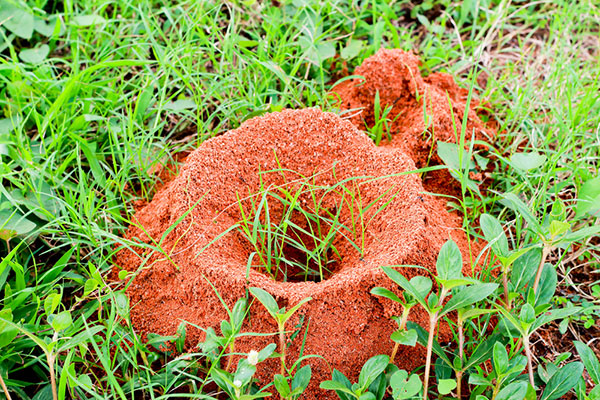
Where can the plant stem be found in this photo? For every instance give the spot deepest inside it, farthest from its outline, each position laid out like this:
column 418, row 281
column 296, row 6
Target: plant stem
column 432, row 323
column 545, row 251
column 282, row 346
column 529, row 359
column 230, row 358
column 50, row 358
column 4, row 388
column 461, row 353
column 401, row 326
column 505, row 285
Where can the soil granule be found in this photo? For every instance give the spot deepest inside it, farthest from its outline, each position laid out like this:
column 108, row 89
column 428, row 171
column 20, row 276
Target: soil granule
column 346, row 324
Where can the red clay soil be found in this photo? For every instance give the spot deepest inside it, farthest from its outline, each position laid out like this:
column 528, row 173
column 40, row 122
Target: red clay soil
column 396, row 76
column 347, row 324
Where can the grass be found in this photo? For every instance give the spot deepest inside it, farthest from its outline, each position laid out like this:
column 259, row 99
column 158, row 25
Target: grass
column 122, row 87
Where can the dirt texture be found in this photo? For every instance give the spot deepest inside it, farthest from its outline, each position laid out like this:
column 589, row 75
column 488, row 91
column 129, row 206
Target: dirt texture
column 347, row 324
column 424, row 110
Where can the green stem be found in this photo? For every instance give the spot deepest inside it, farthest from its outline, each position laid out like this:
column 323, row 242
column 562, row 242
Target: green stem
column 401, row 326
column 505, row 285
column 461, row 353
column 282, row 347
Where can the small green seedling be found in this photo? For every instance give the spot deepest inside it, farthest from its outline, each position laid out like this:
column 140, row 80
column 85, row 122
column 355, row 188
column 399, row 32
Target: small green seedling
column 280, row 315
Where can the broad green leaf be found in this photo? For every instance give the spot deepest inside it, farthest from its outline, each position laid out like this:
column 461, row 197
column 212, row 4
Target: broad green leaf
column 527, row 314
column 282, row 385
column 266, row 300
column 16, row 20
column 524, row 269
column 13, row 223
column 405, row 337
column 449, row 153
column 482, row 353
column 562, row 381
column 590, row 360
column 558, row 228
column 371, row 370
column 468, row 296
column 449, row 261
column 180, row 105
column 352, row 49
column 266, row 352
column 422, row 285
column 500, row 358
column 61, row 321
column 383, row 292
column 244, row 372
column 83, row 21
column 513, row 391
column 514, row 255
column 588, row 201
column 494, row 234
column 301, row 380
column 547, row 286
column 121, row 302
column 527, row 161
column 35, row 55
column 446, row 386
column 337, row 386
column 401, row 281
column 7, row 331
column 337, row 376
column 367, row 396
column 403, row 388
column 454, row 283
column 51, row 302
column 554, row 315
column 295, row 308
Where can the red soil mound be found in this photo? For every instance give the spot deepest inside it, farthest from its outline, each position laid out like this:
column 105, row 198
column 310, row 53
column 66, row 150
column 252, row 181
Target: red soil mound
column 347, row 324
column 424, row 109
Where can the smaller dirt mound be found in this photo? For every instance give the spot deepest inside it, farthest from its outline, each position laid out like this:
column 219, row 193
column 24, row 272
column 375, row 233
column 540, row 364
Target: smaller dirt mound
column 423, row 109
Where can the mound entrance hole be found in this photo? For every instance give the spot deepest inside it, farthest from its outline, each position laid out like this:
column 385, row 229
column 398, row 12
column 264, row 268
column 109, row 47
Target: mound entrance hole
column 300, row 228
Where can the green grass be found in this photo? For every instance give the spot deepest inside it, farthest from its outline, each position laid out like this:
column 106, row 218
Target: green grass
column 127, row 85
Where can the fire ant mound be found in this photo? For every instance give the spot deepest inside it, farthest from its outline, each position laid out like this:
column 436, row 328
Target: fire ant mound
column 347, row 208
column 422, row 110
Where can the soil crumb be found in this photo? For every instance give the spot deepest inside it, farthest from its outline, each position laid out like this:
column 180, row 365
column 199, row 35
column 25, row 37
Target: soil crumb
column 423, row 110
column 186, row 259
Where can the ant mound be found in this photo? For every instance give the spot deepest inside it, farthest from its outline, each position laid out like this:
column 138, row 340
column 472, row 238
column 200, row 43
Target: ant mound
column 421, row 110
column 300, row 204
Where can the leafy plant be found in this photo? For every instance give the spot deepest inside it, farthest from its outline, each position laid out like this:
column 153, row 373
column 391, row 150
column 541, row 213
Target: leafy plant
column 280, row 315
column 376, row 376
column 460, row 292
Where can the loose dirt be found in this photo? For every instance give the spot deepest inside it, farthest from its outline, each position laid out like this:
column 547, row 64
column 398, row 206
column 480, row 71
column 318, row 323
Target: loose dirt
column 424, row 110
column 344, row 323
